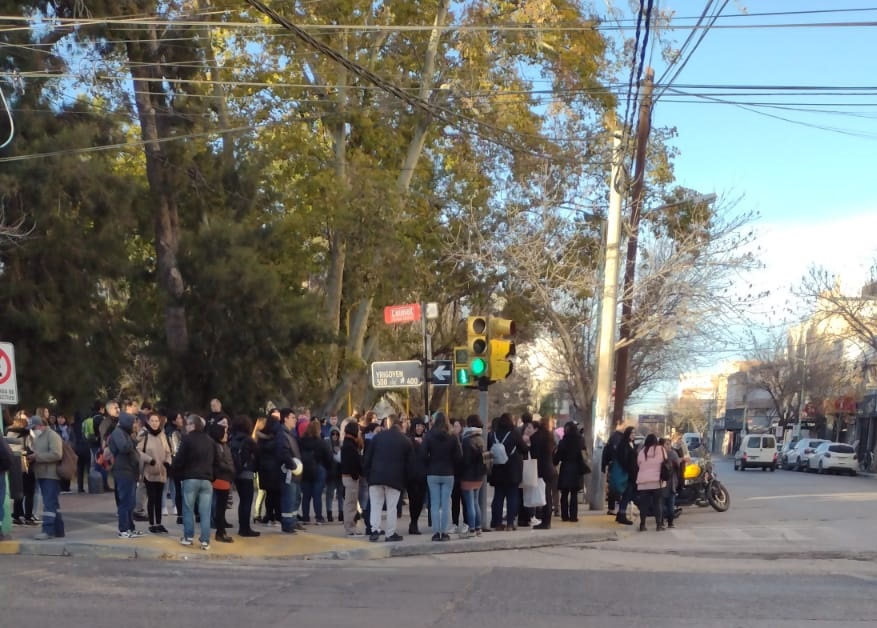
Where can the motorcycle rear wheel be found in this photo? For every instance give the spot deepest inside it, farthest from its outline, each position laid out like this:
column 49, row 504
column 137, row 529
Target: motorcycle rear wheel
column 718, row 496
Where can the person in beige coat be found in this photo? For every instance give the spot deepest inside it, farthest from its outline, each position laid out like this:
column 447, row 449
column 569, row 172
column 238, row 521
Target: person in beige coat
column 47, row 450
column 155, row 456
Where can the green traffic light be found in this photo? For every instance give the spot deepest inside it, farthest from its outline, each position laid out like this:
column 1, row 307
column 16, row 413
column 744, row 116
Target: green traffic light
column 478, row 366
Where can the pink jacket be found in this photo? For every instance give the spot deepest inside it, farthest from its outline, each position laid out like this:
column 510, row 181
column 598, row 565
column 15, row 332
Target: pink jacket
column 649, row 475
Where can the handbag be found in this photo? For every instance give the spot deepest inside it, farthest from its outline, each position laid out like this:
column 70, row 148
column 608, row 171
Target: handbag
column 666, row 469
column 534, row 496
column 618, row 478
column 530, row 475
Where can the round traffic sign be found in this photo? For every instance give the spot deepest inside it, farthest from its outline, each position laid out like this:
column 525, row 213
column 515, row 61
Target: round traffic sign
column 5, row 367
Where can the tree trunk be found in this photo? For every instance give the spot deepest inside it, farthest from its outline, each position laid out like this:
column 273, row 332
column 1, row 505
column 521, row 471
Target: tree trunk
column 148, row 99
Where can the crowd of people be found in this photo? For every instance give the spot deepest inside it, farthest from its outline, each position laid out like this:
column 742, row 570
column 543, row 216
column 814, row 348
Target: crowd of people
column 648, row 476
column 290, row 469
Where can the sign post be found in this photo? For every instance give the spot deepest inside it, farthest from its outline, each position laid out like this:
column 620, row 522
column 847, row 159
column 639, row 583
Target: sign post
column 8, row 382
column 402, row 374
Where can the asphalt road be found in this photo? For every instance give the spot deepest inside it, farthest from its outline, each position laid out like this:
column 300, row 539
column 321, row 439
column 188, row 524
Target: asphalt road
column 703, row 574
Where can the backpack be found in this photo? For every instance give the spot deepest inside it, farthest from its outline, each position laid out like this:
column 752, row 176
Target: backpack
column 89, row 433
column 67, row 465
column 498, row 450
column 106, row 458
column 241, row 463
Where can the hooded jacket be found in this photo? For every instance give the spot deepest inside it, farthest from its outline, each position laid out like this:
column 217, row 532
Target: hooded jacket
column 472, row 468
column 48, row 449
column 223, row 464
column 121, row 442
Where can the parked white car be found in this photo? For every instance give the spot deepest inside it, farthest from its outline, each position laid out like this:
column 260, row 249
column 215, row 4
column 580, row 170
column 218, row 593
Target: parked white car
column 799, row 456
column 834, row 457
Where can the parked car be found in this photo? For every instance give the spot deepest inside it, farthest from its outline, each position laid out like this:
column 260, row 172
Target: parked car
column 799, row 456
column 756, row 451
column 834, row 457
column 783, row 450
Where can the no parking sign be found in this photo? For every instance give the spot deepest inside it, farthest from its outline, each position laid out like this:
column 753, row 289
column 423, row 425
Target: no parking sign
column 8, row 384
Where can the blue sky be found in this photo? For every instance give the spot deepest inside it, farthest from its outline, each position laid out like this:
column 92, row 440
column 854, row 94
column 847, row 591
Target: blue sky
column 813, row 188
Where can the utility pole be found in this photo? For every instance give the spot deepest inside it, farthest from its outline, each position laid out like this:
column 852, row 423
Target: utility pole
column 622, row 356
column 606, row 342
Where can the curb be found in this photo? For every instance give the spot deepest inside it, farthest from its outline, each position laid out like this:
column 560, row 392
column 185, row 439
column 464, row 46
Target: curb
column 375, row 551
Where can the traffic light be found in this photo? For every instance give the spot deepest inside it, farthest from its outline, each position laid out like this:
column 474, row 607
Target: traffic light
column 500, row 348
column 476, row 345
column 462, row 377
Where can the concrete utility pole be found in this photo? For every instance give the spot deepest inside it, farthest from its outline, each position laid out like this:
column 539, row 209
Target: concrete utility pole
column 606, row 342
column 622, row 357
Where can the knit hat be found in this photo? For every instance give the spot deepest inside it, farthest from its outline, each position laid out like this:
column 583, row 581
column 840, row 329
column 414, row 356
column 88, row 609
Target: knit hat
column 34, row 422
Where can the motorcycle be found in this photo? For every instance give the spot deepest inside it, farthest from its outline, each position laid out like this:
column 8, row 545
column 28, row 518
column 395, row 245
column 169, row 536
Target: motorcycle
column 700, row 487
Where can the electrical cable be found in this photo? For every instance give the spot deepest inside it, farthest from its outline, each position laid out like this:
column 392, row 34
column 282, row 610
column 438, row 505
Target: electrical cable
column 11, row 120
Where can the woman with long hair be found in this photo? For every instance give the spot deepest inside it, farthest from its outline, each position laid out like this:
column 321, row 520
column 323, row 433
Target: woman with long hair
column 156, row 457
column 506, row 478
column 648, row 482
column 570, row 478
column 441, row 454
column 243, row 453
column 472, row 472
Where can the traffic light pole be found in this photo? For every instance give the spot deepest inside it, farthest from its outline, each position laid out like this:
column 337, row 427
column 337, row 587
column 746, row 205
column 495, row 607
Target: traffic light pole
column 483, row 412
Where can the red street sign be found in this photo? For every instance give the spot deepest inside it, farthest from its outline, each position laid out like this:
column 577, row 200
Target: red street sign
column 395, row 314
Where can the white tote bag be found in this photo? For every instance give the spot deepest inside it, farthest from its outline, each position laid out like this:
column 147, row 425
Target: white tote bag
column 531, row 473
column 534, row 496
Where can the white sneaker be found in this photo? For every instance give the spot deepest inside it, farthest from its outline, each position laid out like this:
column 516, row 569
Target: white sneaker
column 185, row 541
column 534, row 521
column 135, row 534
column 126, row 535
column 164, row 511
column 205, row 546
column 462, row 529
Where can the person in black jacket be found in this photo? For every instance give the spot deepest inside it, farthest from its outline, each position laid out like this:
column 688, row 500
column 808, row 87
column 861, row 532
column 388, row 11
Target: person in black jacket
column 612, row 496
column 387, row 463
column 270, row 475
column 506, row 478
column 441, row 454
column 317, row 459
column 291, row 467
column 472, row 471
column 416, row 487
column 334, row 488
column 194, row 464
column 351, row 474
column 223, row 477
column 245, row 457
column 542, row 449
column 572, row 471
column 625, row 458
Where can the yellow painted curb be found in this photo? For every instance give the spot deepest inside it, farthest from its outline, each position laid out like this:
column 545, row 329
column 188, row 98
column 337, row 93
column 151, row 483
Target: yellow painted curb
column 8, row 548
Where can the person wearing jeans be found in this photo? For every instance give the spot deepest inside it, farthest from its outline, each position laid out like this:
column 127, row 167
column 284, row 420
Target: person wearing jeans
column 472, row 471
column 194, row 464
column 47, row 451
column 506, row 478
column 441, row 453
column 317, row 459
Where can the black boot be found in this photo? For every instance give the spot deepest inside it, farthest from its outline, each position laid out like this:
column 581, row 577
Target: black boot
column 622, row 519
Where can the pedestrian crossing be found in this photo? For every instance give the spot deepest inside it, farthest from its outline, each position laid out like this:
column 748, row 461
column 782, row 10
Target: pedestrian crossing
column 744, row 534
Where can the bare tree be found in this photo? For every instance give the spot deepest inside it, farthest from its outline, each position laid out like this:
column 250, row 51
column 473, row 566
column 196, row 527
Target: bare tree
column 552, row 257
column 858, row 313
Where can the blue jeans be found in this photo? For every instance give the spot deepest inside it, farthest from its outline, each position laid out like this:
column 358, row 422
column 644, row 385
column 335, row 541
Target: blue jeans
column 626, row 497
column 200, row 492
column 440, row 487
column 53, row 524
column 290, row 493
column 669, row 504
column 509, row 494
column 312, row 492
column 472, row 502
column 126, row 497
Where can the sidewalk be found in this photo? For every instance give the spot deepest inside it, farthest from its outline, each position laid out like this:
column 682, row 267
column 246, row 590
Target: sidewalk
column 91, row 532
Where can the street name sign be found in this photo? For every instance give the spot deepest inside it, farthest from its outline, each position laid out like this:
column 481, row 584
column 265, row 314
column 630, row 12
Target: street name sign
column 442, row 372
column 403, row 374
column 397, row 314
column 8, row 383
